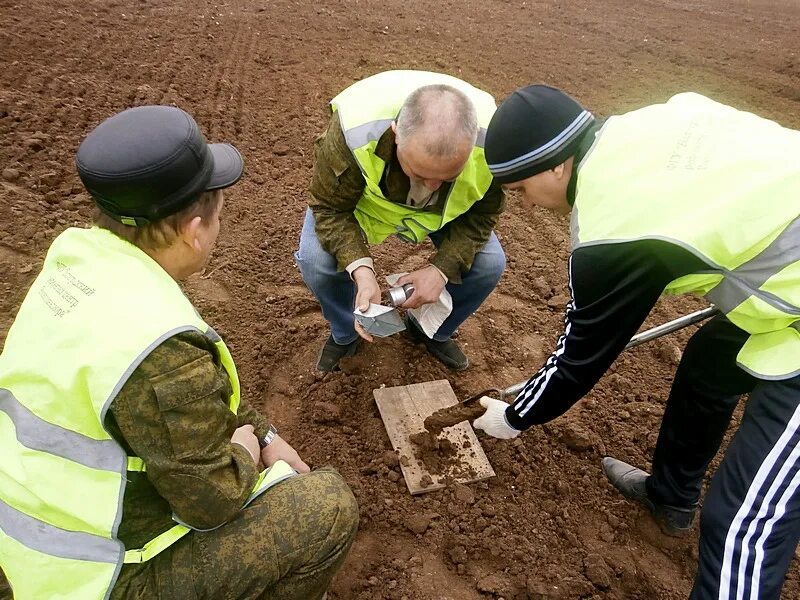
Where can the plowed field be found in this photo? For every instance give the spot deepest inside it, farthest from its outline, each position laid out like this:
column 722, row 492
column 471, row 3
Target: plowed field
column 258, row 73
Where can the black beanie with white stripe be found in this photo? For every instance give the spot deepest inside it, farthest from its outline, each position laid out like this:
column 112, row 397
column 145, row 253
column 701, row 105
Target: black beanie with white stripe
column 535, row 129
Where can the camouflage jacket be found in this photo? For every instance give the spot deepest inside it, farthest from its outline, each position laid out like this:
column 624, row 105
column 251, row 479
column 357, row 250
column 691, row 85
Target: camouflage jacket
column 336, row 188
column 173, row 413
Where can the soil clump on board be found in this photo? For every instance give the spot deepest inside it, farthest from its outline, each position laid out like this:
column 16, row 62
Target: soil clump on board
column 452, row 415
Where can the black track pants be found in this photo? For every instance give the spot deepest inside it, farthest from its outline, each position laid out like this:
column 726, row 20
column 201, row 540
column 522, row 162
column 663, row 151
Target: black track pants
column 750, row 523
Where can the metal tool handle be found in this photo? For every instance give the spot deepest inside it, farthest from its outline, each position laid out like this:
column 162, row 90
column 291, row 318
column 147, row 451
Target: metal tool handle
column 657, row 332
column 487, row 392
column 641, row 338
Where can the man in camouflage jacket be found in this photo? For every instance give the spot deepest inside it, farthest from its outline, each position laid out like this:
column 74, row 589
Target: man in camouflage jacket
column 202, row 454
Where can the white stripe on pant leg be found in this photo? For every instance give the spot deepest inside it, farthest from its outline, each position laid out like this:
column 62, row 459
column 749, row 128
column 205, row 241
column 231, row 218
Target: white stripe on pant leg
column 752, row 493
column 766, row 505
column 779, row 512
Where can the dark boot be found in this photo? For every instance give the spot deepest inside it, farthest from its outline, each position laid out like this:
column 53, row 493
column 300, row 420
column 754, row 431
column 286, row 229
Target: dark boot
column 332, row 353
column 447, row 351
column 630, row 481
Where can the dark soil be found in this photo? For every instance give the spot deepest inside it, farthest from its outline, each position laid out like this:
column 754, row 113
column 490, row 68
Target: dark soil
column 452, row 415
column 258, row 74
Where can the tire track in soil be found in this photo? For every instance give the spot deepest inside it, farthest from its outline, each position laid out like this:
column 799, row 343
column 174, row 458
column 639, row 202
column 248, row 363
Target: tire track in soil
column 232, row 40
column 244, row 76
column 180, row 49
column 230, row 86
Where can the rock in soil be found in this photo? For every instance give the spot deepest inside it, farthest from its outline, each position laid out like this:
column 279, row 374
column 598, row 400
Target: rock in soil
column 463, row 493
column 597, row 571
column 326, row 412
column 390, row 459
column 417, row 523
column 10, row 174
column 576, row 437
column 496, row 585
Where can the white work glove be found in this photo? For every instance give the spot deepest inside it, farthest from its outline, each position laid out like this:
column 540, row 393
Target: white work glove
column 493, row 421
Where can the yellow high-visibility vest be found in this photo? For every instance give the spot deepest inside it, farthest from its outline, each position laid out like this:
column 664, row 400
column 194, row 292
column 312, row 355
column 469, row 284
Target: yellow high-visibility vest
column 97, row 309
column 366, row 110
column 723, row 184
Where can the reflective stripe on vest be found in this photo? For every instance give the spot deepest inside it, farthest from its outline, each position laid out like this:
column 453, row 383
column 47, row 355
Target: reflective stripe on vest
column 749, row 278
column 83, row 328
column 366, row 110
column 722, row 184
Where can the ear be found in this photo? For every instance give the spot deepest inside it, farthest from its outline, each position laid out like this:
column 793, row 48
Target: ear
column 396, row 137
column 190, row 233
column 564, row 170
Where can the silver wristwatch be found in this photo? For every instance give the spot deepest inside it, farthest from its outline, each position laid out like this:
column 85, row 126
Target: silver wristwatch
column 267, row 440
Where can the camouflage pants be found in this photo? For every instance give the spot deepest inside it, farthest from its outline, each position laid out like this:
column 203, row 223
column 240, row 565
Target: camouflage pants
column 286, row 545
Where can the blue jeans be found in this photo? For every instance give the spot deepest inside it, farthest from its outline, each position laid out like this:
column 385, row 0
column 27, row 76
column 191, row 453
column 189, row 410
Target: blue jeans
column 336, row 292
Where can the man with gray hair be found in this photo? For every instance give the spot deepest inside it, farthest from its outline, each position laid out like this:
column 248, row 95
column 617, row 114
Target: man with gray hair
column 402, row 155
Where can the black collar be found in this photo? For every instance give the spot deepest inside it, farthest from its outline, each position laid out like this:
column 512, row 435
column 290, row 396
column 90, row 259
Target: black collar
column 587, row 139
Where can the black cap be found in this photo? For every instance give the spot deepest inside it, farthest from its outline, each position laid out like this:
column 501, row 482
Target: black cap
column 534, row 129
column 149, row 162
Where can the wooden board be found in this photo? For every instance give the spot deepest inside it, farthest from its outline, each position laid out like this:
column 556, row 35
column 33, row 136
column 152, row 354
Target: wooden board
column 403, row 410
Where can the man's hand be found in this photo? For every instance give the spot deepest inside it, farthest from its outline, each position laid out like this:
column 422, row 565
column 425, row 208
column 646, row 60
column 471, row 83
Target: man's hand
column 367, row 290
column 244, row 436
column 428, row 285
column 493, row 421
column 277, row 450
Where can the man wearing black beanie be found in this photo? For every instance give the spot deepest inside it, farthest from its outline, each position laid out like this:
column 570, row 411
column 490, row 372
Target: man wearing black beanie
column 690, row 196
